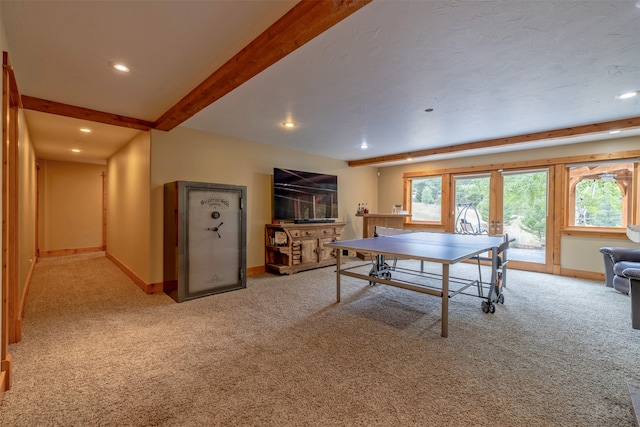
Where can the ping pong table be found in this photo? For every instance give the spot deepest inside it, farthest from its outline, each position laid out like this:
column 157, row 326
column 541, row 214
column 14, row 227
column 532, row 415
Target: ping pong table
column 442, row 248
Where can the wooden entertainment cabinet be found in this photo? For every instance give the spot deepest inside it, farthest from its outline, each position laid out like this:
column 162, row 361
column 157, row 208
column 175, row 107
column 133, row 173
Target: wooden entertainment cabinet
column 290, row 247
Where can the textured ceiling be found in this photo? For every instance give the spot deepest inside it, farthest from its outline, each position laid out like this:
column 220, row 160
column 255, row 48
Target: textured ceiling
column 488, row 69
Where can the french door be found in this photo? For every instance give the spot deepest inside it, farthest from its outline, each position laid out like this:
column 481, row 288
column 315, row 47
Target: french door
column 507, row 202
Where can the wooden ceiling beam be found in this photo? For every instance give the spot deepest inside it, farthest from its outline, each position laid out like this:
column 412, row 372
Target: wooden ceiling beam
column 52, row 107
column 305, row 21
column 12, row 84
column 631, row 123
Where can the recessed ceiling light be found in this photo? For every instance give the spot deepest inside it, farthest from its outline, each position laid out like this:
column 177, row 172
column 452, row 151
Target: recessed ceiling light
column 289, row 124
column 364, row 145
column 85, row 130
column 615, row 131
column 628, row 95
column 409, row 159
column 75, row 150
column 120, row 67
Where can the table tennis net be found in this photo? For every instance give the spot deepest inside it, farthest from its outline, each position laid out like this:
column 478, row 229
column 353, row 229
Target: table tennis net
column 388, row 231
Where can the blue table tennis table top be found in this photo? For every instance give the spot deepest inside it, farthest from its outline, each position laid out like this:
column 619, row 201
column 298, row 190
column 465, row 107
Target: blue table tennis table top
column 447, row 248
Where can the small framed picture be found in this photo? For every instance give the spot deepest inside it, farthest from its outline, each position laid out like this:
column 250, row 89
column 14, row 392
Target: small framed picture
column 280, row 238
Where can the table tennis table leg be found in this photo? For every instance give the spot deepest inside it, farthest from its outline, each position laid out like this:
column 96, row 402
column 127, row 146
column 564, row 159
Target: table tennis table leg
column 445, row 300
column 338, row 262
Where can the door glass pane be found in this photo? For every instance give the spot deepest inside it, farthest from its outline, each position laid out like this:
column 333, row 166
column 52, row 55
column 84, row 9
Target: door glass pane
column 525, row 214
column 472, row 204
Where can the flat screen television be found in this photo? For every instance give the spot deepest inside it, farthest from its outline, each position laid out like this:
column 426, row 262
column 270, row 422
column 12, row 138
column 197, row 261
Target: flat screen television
column 304, row 196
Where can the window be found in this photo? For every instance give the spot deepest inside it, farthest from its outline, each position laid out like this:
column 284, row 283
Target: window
column 600, row 194
column 426, row 199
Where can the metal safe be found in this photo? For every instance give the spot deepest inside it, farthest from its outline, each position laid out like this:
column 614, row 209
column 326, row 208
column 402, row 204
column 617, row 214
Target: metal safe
column 204, row 239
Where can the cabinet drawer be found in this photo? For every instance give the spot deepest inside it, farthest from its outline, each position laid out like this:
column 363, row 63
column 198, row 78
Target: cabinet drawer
column 326, row 232
column 308, row 233
column 294, row 233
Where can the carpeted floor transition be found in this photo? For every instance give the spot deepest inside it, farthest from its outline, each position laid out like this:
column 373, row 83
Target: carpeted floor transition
column 97, row 351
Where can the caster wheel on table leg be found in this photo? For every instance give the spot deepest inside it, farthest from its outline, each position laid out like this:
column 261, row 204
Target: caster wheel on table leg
column 485, row 306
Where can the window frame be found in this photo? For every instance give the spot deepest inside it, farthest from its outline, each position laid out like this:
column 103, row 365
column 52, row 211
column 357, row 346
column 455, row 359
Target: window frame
column 445, row 198
column 558, row 186
column 632, row 215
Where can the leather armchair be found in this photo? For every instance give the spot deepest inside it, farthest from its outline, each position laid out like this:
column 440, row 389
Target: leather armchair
column 616, row 261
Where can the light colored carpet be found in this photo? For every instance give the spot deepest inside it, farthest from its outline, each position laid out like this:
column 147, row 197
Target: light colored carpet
column 97, row 351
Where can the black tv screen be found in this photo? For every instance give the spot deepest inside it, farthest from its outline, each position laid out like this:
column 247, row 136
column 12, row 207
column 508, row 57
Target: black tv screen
column 301, row 195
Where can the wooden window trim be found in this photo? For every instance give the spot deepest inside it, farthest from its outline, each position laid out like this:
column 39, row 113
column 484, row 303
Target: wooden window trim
column 558, row 197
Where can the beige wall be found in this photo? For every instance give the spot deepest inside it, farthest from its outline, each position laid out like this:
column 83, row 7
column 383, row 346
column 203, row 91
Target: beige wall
column 27, row 193
column 191, row 155
column 577, row 253
column 137, row 173
column 128, row 206
column 70, row 205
